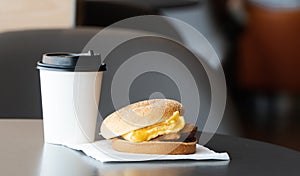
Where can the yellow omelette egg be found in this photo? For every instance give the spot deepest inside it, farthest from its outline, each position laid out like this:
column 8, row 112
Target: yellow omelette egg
column 171, row 125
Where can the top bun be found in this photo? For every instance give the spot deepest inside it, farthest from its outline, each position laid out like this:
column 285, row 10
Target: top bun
column 138, row 115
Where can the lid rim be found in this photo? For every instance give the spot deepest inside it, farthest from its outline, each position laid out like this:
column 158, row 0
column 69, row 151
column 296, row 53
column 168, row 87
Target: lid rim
column 43, row 66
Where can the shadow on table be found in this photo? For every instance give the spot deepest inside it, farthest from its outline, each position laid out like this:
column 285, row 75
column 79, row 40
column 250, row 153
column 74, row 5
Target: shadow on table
column 173, row 168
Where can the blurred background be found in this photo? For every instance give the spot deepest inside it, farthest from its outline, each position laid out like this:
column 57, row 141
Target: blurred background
column 258, row 42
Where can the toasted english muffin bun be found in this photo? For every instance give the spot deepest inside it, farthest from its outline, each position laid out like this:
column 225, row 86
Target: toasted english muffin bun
column 138, row 115
column 155, row 147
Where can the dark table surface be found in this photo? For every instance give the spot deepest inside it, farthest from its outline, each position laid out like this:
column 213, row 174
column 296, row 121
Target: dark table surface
column 23, row 152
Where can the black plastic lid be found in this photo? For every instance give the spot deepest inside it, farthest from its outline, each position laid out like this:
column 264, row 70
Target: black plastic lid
column 83, row 62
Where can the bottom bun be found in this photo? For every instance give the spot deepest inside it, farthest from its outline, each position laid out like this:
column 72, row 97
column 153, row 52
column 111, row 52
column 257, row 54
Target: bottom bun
column 155, row 147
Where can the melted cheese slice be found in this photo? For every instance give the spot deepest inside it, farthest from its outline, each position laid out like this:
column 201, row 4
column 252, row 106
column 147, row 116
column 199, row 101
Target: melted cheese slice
column 171, row 125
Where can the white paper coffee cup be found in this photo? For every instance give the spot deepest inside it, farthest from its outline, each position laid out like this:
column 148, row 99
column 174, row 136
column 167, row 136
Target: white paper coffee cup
column 70, row 90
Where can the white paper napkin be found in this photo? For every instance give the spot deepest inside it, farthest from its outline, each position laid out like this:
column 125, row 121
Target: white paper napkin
column 102, row 151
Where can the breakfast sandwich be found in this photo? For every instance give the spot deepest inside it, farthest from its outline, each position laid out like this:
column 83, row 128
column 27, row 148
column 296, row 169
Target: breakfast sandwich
column 154, row 126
